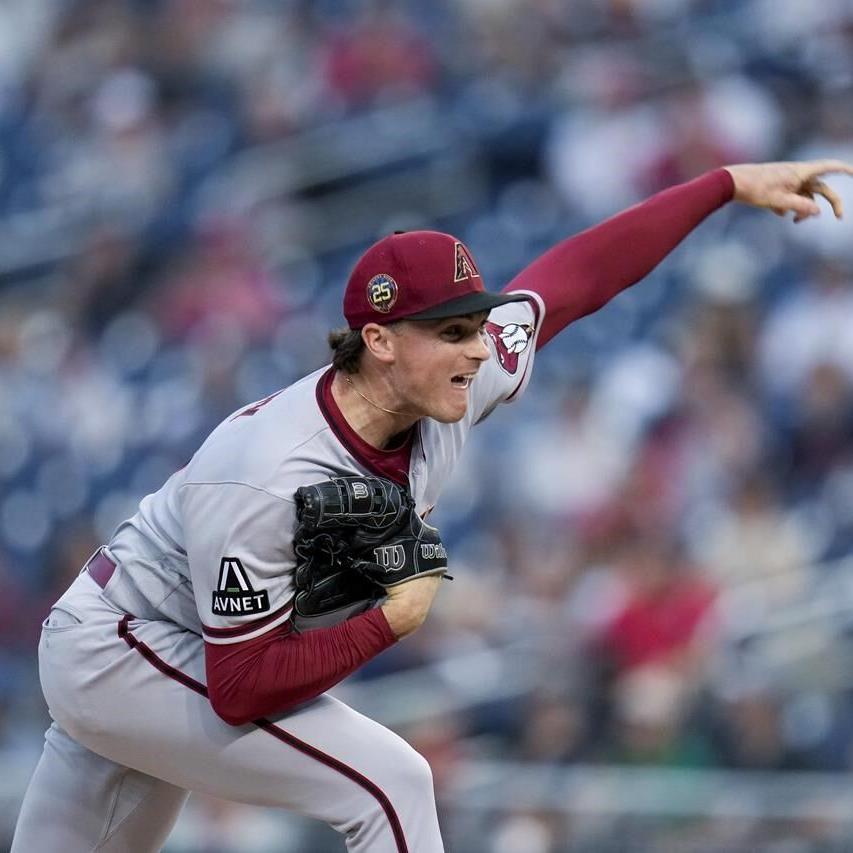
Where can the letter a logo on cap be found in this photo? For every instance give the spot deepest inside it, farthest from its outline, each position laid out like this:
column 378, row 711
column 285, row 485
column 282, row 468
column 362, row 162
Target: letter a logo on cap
column 465, row 267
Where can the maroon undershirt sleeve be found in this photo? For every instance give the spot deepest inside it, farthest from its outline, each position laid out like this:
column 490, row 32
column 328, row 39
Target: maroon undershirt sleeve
column 279, row 670
column 579, row 275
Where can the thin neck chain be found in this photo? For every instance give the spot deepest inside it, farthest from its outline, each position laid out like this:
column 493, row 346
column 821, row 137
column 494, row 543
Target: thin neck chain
column 368, row 400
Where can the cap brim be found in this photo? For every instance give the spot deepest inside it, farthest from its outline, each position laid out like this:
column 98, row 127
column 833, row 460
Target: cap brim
column 470, row 303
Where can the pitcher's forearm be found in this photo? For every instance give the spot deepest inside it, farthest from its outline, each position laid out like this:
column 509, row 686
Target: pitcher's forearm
column 408, row 604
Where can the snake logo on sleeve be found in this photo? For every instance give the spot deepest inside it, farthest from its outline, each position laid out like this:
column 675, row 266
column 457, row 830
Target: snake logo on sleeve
column 234, row 593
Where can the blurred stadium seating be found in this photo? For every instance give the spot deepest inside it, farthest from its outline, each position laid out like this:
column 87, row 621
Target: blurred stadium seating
column 658, row 655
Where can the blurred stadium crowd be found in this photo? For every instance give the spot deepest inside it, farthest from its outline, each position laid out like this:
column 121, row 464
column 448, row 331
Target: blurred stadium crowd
column 649, row 547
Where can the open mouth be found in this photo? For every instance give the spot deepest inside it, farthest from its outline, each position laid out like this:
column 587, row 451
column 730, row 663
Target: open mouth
column 462, row 380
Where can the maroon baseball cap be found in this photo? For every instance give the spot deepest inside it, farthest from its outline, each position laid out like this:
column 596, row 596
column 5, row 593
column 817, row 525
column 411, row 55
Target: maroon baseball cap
column 417, row 275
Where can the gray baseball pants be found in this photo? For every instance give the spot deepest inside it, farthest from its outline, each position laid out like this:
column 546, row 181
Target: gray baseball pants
column 133, row 733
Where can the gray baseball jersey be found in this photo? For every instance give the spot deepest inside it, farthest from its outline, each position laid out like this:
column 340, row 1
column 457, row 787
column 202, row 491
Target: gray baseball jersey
column 209, row 558
column 211, row 550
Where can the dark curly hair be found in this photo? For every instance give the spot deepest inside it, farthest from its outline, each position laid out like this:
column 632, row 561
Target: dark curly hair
column 347, row 346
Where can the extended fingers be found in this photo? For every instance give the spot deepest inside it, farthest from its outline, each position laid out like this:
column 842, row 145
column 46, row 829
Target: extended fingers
column 801, row 204
column 810, row 174
column 815, row 168
column 829, row 194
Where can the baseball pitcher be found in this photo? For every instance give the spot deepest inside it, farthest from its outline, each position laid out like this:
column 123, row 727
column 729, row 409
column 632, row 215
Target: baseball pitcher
column 194, row 650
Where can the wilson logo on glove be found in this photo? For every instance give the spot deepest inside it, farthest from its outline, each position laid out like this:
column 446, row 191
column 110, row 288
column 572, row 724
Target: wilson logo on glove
column 392, row 558
column 433, row 552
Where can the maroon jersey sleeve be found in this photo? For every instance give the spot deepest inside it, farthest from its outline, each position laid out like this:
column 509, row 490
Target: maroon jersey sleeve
column 580, row 275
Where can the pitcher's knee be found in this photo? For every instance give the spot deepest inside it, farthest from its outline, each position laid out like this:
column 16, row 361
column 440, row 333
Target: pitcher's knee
column 410, row 774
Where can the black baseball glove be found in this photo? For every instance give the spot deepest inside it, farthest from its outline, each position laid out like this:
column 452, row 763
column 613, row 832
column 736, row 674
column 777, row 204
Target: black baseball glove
column 355, row 537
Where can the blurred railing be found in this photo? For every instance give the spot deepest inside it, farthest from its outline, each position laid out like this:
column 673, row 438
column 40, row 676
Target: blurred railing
column 803, row 644
column 339, row 183
column 501, row 806
column 653, row 791
column 448, row 686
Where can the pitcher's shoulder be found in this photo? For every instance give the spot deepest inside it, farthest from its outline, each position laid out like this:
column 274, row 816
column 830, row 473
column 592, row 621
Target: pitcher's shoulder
column 254, row 444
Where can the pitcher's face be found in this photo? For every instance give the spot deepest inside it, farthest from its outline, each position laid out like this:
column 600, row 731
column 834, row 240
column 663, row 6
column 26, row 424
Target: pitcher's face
column 435, row 362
